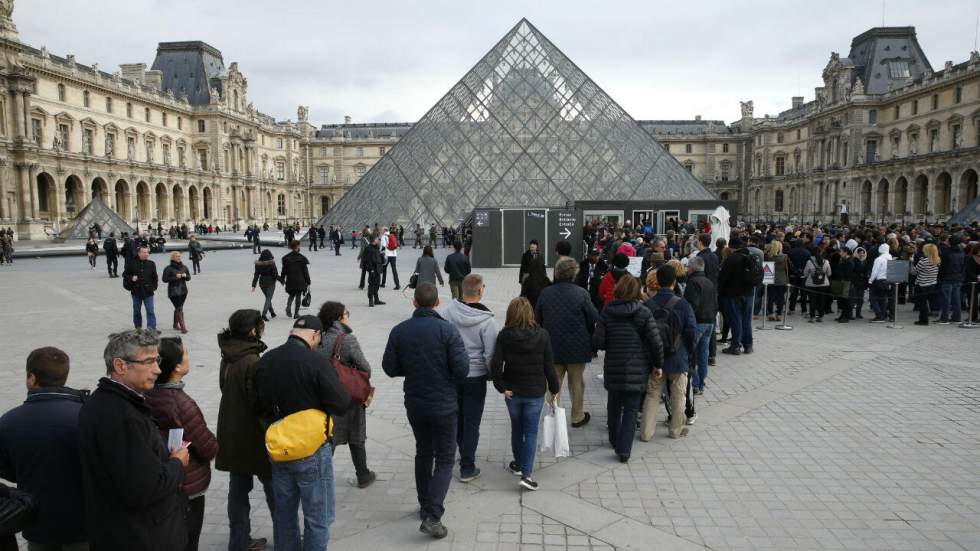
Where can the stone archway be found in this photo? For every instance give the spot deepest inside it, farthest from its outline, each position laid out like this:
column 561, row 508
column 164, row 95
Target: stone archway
column 942, row 194
column 177, row 208
column 101, row 190
column 866, row 198
column 143, row 201
column 901, row 196
column 194, row 198
column 122, row 199
column 74, row 196
column 882, row 208
column 968, row 188
column 208, row 205
column 47, row 194
column 920, row 195
column 162, row 198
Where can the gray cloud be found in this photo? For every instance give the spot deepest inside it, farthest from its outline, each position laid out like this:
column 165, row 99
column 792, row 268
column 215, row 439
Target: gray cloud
column 390, row 61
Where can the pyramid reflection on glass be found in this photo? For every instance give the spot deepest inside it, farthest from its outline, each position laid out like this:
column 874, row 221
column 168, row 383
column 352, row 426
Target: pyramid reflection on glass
column 95, row 211
column 524, row 127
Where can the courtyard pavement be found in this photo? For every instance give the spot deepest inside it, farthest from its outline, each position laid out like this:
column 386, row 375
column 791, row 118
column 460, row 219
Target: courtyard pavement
column 830, row 436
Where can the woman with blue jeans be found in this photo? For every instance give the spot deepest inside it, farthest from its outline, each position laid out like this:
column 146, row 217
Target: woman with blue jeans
column 522, row 370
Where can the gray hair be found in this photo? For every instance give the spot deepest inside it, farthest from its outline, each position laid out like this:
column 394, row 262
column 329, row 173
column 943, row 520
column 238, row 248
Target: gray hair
column 124, row 345
column 472, row 284
column 696, row 264
column 566, row 269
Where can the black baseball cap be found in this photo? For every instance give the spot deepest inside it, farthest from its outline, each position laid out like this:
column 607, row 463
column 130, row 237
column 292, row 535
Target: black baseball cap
column 308, row 322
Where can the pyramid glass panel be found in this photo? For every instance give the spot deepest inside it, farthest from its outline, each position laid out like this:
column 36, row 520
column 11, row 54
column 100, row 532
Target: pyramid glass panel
column 525, row 127
column 95, row 212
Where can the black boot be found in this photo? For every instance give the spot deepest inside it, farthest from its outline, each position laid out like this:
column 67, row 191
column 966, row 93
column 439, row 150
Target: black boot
column 377, row 301
column 371, row 301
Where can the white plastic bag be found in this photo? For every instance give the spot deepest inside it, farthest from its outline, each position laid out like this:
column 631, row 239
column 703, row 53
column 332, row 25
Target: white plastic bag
column 561, row 433
column 548, row 430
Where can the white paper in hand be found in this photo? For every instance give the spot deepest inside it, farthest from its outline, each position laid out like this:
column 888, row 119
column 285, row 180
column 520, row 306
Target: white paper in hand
column 175, row 439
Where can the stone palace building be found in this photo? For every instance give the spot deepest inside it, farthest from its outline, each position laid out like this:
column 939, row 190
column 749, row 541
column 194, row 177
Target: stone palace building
column 180, row 142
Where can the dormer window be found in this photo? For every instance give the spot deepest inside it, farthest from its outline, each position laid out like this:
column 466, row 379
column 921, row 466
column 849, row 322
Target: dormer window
column 899, row 69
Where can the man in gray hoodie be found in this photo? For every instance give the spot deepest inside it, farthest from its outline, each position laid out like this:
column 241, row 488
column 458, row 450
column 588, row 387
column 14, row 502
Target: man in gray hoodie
column 475, row 324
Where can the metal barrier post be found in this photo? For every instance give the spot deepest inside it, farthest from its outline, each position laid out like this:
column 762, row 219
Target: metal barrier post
column 894, row 325
column 968, row 322
column 765, row 299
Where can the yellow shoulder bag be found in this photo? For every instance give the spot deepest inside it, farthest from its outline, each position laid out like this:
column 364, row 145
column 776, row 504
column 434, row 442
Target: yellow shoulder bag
column 298, row 436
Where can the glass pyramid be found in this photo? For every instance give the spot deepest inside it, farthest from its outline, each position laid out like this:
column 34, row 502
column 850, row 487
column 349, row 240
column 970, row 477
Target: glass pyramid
column 525, row 127
column 95, row 211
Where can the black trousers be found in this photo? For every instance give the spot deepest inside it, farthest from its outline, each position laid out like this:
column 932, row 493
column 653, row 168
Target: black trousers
column 336, row 248
column 256, row 247
column 363, row 273
column 294, row 296
column 195, row 521
column 374, row 282
column 196, row 262
column 112, row 264
column 312, row 246
column 394, row 271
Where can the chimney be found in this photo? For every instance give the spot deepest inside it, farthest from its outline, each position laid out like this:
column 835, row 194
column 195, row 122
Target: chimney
column 797, row 102
column 153, row 79
column 347, row 119
column 133, row 71
column 697, row 117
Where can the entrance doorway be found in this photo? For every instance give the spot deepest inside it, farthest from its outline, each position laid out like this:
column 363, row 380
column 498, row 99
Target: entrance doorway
column 519, row 228
column 664, row 218
column 642, row 218
column 699, row 218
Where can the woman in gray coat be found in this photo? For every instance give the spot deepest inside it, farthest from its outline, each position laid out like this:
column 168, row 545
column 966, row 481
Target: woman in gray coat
column 427, row 268
column 350, row 428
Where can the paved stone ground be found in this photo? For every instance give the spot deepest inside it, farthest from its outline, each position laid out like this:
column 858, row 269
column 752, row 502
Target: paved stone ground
column 831, row 436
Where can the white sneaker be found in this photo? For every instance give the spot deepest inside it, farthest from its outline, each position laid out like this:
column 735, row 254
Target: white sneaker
column 692, row 419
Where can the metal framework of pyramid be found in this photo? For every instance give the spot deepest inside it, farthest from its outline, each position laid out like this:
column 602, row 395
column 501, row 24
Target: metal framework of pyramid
column 524, row 127
column 968, row 215
column 95, row 211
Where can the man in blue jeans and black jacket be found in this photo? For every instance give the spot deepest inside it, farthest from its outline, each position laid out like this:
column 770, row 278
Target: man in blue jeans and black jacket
column 429, row 352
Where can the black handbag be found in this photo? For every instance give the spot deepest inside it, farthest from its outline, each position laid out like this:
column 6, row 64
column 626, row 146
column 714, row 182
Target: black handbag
column 413, row 281
column 307, row 299
column 18, row 509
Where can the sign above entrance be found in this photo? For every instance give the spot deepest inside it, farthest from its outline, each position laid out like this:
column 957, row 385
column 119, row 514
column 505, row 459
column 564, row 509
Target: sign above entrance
column 566, row 223
column 481, row 218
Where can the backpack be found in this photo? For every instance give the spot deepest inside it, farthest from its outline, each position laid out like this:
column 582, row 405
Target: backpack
column 392, row 242
column 752, row 272
column 669, row 326
column 819, row 277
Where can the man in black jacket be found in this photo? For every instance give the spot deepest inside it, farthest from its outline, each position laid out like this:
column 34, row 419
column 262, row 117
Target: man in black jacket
column 372, row 262
column 735, row 290
column 132, row 482
column 336, row 239
column 140, row 279
column 530, row 254
column 798, row 257
column 295, row 276
column 700, row 292
column 457, row 267
column 111, row 255
column 39, row 451
column 567, row 312
column 289, row 379
column 429, row 352
column 590, row 272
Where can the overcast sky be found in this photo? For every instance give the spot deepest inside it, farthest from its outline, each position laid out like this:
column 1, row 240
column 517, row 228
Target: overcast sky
column 390, row 61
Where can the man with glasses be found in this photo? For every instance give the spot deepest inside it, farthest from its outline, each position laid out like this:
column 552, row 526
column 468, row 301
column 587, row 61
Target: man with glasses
column 131, row 480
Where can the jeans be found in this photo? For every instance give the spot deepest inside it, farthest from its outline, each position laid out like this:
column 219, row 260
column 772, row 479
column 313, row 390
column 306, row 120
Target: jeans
column 701, row 353
column 435, row 451
column 471, row 395
column 740, row 318
column 621, row 409
column 240, row 528
column 312, row 245
column 524, row 415
column 151, row 318
column 256, row 247
column 951, row 301
column 775, row 299
column 796, row 292
column 308, row 481
column 879, row 298
column 336, row 248
column 757, row 299
column 394, row 271
column 268, row 292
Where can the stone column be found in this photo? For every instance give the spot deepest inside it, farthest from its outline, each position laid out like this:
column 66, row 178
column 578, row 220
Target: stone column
column 19, row 121
column 56, row 210
column 4, row 211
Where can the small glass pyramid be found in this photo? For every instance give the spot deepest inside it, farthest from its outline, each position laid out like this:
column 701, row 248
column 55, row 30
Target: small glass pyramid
column 96, row 211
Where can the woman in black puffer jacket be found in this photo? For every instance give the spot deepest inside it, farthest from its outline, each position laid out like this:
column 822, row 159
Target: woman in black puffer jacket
column 176, row 275
column 628, row 334
column 266, row 276
column 522, row 369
